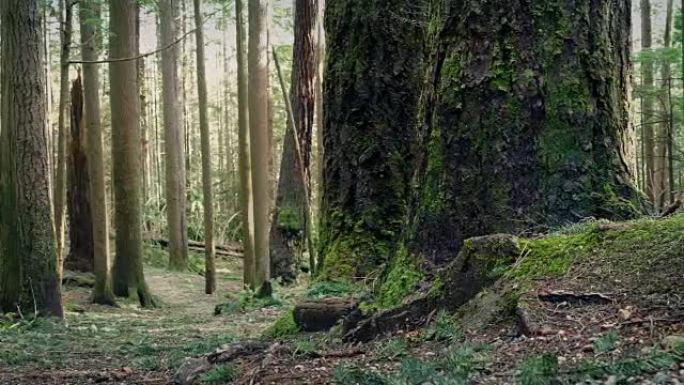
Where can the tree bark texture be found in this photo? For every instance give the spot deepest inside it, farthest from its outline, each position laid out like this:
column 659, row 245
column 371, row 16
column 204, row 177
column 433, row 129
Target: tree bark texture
column 90, row 10
column 372, row 87
column 125, row 105
column 208, row 199
column 518, row 123
column 648, row 108
column 174, row 139
column 29, row 271
column 259, row 135
column 244, row 160
column 80, row 257
column 289, row 227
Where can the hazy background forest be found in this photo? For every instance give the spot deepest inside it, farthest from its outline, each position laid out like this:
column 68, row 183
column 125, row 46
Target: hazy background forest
column 389, row 192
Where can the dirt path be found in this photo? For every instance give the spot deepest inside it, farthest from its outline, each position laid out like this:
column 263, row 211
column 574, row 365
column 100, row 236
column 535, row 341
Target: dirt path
column 128, row 345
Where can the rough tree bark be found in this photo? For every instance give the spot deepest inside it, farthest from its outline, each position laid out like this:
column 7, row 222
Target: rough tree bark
column 174, row 139
column 647, row 109
column 259, row 136
column 29, row 271
column 520, row 123
column 662, row 131
column 371, row 90
column 90, row 16
column 210, row 268
column 289, row 227
column 80, row 257
column 244, row 159
column 65, row 18
column 128, row 268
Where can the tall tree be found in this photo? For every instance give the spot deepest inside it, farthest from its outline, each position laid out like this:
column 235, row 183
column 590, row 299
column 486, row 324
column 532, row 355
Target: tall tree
column 647, row 109
column 66, row 16
column 289, row 227
column 80, row 255
column 516, row 127
column 210, row 267
column 662, row 132
column 174, row 138
column 90, row 19
column 29, row 272
column 259, row 136
column 244, row 145
column 125, row 109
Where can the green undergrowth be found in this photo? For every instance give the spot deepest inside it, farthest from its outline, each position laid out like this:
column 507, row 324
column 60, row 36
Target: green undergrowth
column 221, row 374
column 283, row 327
column 545, row 370
column 247, row 301
column 327, row 289
column 156, row 256
column 455, row 365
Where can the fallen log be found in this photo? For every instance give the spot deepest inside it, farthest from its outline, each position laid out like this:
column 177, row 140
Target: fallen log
column 323, row 314
column 233, row 250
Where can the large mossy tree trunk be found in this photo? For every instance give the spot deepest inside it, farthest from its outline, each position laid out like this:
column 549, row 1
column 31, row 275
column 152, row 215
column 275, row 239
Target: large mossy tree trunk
column 530, row 112
column 516, row 120
column 372, row 86
column 29, row 271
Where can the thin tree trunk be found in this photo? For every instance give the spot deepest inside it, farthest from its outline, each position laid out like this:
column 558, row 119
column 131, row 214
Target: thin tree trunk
column 663, row 128
column 210, row 269
column 319, row 133
column 143, row 113
column 290, row 225
column 66, row 15
column 647, row 124
column 244, row 145
column 29, row 271
column 259, row 136
column 174, row 141
column 228, row 128
column 125, row 109
column 102, row 292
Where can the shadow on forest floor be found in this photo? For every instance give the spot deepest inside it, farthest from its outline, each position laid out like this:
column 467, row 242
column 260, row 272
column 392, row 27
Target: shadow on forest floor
column 97, row 344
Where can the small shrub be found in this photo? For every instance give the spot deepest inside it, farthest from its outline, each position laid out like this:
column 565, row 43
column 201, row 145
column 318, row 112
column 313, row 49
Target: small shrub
column 246, row 301
column 393, row 349
column 443, row 328
column 347, row 375
column 285, row 326
column 606, row 342
column 219, row 375
column 327, row 289
column 538, row 370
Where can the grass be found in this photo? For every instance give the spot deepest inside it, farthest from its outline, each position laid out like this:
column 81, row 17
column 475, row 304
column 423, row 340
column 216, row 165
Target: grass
column 221, row 374
column 96, row 338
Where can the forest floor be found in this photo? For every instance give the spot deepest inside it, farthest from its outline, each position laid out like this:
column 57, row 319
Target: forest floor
column 99, row 344
column 603, row 304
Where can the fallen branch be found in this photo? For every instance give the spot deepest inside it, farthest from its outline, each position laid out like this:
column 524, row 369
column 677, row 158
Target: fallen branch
column 234, row 250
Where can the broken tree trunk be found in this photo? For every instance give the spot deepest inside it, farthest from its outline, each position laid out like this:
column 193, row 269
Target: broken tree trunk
column 321, row 315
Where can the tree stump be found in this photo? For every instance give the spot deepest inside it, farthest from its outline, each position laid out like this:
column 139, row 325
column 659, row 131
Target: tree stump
column 321, row 315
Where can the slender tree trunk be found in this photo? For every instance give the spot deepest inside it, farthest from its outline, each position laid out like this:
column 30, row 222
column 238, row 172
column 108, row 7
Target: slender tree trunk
column 144, row 122
column 259, row 136
column 647, row 85
column 174, row 141
column 662, row 128
column 228, row 128
column 66, row 15
column 90, row 11
column 125, row 110
column 80, row 257
column 244, row 145
column 319, row 118
column 210, row 276
column 29, row 271
column 290, row 225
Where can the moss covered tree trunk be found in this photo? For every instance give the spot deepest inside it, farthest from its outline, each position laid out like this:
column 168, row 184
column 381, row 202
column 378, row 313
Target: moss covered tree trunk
column 528, row 122
column 29, row 275
column 514, row 121
column 372, row 86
